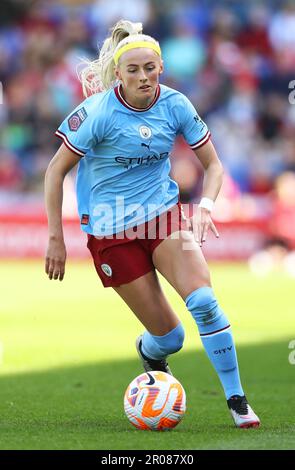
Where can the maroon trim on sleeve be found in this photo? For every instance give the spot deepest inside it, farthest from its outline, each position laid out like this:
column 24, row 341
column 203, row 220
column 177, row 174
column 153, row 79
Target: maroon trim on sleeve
column 202, row 141
column 68, row 144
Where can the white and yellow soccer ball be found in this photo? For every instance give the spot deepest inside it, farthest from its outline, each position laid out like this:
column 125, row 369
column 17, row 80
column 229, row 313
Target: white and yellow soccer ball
column 155, row 401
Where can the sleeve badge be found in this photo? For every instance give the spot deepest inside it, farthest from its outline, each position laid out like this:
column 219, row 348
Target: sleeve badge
column 76, row 119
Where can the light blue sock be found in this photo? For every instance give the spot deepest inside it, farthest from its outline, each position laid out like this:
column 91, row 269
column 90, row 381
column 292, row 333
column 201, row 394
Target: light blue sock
column 217, row 339
column 158, row 347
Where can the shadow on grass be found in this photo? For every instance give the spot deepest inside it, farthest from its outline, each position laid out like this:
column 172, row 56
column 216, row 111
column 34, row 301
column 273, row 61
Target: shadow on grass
column 82, row 407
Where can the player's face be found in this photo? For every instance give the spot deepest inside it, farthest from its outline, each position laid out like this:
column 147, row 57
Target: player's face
column 139, row 71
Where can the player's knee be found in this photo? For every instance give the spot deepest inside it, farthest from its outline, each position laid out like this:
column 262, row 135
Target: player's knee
column 203, row 305
column 172, row 341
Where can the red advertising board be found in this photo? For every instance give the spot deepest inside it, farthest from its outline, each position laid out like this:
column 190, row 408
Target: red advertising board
column 24, row 236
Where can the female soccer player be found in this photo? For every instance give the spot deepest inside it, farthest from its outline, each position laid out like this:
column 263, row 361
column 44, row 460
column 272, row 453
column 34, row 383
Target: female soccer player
column 122, row 136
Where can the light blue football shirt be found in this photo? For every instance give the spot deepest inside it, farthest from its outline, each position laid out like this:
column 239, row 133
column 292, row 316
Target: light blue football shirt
column 123, row 176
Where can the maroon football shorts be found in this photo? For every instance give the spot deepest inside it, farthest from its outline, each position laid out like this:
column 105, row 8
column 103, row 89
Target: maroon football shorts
column 124, row 257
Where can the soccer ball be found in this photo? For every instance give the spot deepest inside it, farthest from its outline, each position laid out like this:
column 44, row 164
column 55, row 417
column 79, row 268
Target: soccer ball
column 155, row 401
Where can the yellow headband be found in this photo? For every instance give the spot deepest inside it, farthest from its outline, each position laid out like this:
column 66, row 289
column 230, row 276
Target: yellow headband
column 135, row 45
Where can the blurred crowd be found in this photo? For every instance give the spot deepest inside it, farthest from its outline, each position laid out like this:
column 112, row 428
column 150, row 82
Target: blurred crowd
column 234, row 60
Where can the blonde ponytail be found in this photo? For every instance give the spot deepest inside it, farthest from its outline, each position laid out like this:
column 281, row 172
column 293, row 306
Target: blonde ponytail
column 98, row 75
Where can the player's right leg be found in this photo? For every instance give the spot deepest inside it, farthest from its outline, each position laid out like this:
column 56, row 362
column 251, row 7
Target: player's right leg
column 126, row 266
column 164, row 333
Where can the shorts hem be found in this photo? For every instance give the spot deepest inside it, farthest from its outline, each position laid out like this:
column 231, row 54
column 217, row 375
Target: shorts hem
column 131, row 279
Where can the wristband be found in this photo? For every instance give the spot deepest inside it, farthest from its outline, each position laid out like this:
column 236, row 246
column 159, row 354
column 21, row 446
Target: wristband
column 206, row 203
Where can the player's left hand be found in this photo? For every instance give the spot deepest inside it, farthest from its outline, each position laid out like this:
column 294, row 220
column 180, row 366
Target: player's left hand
column 201, row 222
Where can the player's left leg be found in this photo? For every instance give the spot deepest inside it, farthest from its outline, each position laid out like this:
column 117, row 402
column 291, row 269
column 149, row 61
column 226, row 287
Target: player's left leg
column 180, row 260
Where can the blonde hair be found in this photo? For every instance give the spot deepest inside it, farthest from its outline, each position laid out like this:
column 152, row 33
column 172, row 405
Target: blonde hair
column 98, row 75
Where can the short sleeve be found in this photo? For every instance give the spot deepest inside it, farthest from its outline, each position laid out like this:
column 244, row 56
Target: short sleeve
column 192, row 127
column 78, row 131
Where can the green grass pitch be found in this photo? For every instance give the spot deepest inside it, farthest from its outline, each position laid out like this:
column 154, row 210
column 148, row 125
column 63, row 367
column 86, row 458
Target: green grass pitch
column 68, row 356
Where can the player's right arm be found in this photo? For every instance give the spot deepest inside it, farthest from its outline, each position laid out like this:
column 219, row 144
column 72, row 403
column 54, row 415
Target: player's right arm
column 63, row 161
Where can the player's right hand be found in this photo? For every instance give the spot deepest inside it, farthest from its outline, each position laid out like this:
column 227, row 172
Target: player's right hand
column 55, row 259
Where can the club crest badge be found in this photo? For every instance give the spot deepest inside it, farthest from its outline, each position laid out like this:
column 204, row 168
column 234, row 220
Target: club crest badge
column 145, row 132
column 107, row 269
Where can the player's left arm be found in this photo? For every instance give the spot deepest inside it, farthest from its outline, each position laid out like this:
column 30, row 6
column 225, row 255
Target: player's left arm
column 201, row 221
